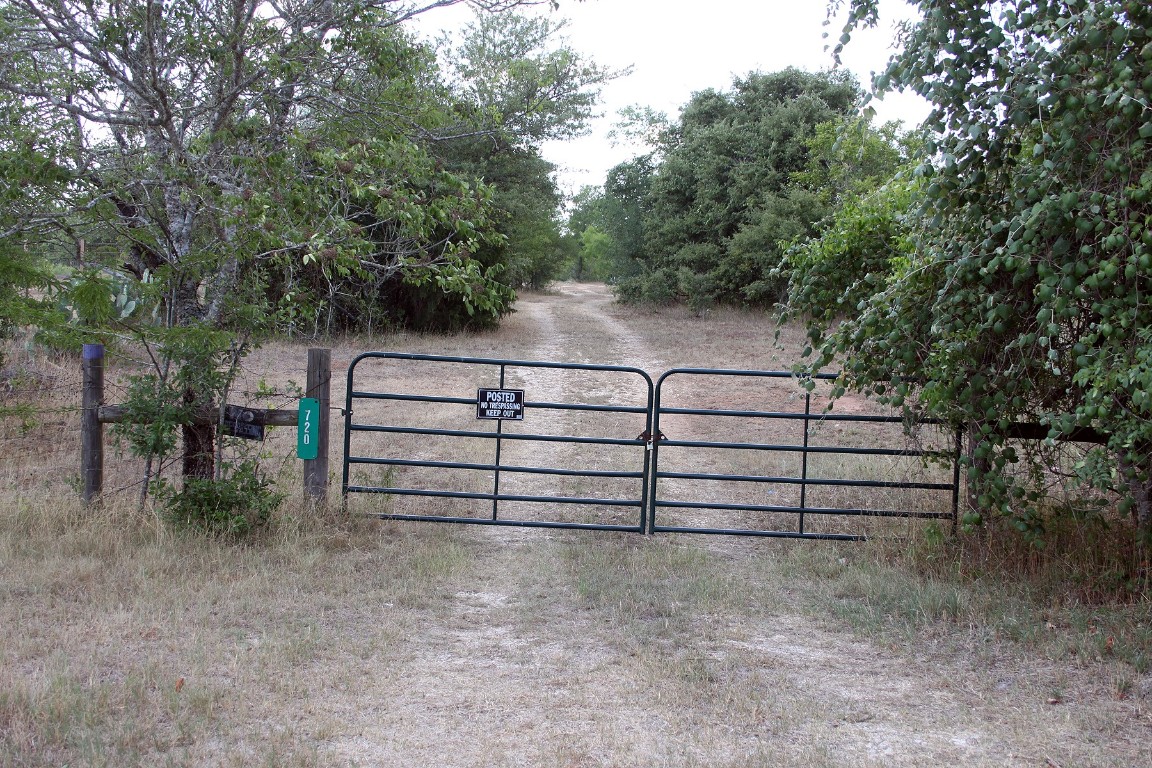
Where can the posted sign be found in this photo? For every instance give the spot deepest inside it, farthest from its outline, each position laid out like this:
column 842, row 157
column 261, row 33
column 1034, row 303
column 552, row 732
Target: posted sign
column 500, row 404
column 243, row 422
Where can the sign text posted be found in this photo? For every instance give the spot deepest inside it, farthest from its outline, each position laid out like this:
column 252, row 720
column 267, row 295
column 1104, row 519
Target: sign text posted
column 500, row 404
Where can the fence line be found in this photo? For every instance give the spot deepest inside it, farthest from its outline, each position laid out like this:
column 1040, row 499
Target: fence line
column 95, row 413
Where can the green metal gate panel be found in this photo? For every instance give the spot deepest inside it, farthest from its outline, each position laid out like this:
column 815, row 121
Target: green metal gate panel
column 484, row 443
column 785, row 467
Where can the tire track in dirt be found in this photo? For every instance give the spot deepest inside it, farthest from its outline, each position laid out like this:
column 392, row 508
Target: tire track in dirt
column 487, row 684
column 575, row 326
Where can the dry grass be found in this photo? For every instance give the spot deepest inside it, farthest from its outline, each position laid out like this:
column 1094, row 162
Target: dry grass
column 341, row 641
column 134, row 645
column 345, row 642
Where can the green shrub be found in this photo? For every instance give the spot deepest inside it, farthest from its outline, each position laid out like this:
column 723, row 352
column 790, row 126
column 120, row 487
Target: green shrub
column 236, row 505
column 660, row 286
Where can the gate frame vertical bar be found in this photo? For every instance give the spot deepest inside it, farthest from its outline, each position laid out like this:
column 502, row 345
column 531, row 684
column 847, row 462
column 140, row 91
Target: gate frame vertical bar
column 650, row 450
column 348, row 388
column 956, row 478
column 499, row 443
column 648, row 470
column 804, row 459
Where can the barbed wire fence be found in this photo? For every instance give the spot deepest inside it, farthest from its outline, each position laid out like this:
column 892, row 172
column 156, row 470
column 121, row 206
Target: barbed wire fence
column 41, row 408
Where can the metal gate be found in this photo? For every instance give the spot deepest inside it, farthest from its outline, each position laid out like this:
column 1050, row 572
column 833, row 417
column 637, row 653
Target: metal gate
column 492, row 445
column 701, row 451
column 702, row 433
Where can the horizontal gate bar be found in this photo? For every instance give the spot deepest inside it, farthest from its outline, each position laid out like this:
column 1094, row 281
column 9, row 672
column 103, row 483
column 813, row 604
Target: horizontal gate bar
column 494, row 467
column 495, row 361
column 510, row 523
column 801, row 448
column 541, row 404
column 752, row 373
column 496, row 435
column 760, row 534
column 494, row 496
column 804, row 510
column 803, row 481
column 796, row 415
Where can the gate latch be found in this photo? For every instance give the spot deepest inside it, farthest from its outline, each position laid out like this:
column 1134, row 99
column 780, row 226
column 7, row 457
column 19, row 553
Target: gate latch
column 648, row 438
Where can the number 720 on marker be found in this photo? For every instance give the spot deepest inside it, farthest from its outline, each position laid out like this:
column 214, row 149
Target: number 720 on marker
column 308, row 429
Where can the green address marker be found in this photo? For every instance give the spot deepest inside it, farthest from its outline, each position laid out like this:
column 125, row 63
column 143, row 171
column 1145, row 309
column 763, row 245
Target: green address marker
column 308, row 429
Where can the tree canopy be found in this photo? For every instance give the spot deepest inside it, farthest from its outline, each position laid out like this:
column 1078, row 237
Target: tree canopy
column 201, row 141
column 515, row 80
column 1025, row 297
column 189, row 172
column 710, row 205
column 211, row 147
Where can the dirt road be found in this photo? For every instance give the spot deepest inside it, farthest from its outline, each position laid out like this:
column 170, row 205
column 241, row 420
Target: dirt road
column 343, row 641
column 531, row 660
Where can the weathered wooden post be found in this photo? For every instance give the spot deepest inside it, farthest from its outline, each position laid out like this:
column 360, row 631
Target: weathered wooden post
column 91, row 430
column 319, row 386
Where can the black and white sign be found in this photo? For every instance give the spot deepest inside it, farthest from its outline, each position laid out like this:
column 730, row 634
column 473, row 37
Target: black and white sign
column 243, row 422
column 500, row 404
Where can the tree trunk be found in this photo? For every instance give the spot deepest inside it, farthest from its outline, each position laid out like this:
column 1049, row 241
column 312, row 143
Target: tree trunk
column 1141, row 491
column 1140, row 487
column 199, row 446
column 975, row 466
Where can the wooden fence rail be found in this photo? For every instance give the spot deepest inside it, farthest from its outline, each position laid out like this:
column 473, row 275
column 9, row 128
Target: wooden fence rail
column 95, row 414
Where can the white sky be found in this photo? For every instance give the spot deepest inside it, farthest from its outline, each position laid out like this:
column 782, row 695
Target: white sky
column 676, row 48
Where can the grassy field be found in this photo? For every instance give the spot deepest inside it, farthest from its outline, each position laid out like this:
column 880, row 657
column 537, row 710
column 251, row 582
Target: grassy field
column 339, row 640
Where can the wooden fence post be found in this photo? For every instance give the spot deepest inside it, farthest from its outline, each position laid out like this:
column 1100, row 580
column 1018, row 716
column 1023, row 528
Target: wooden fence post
column 319, row 386
column 91, row 430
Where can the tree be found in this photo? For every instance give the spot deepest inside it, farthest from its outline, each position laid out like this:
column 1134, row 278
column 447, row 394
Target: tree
column 723, row 196
column 617, row 214
column 516, row 82
column 199, row 146
column 595, row 245
column 28, row 177
column 626, row 193
column 186, row 121
column 863, row 175
column 1025, row 299
column 459, row 129
column 850, row 158
column 862, row 243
